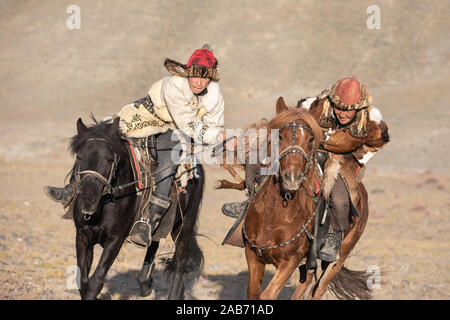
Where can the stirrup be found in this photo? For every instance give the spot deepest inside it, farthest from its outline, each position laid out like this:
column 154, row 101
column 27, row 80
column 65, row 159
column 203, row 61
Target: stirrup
column 139, row 229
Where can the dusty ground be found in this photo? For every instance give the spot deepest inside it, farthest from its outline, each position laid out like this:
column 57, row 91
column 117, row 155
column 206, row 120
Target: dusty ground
column 51, row 76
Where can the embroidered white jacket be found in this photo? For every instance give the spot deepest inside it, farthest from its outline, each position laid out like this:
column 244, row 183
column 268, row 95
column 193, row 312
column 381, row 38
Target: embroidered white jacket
column 200, row 117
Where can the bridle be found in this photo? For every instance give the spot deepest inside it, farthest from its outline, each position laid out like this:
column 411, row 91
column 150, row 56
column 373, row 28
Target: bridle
column 296, row 149
column 292, row 149
column 107, row 187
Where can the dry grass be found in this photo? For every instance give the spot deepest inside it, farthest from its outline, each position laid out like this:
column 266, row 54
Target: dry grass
column 407, row 235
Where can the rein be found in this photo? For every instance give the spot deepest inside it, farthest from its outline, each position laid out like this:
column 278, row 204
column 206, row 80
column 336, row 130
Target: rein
column 109, row 189
column 149, row 174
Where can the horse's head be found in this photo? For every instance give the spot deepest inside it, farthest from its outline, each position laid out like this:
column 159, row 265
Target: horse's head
column 299, row 138
column 97, row 160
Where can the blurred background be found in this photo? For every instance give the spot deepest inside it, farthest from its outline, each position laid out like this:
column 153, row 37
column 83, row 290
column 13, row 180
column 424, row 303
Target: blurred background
column 51, row 75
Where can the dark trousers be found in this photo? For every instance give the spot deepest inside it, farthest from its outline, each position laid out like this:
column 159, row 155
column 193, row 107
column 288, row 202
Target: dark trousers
column 339, row 206
column 164, row 179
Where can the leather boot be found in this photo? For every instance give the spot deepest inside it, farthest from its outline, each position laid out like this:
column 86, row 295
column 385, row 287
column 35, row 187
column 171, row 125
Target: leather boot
column 63, row 195
column 234, row 209
column 142, row 231
column 158, row 207
column 331, row 247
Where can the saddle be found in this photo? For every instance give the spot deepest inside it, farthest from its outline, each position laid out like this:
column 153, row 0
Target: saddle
column 142, row 164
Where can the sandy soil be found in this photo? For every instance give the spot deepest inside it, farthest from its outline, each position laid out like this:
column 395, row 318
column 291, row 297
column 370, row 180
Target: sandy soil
column 51, row 76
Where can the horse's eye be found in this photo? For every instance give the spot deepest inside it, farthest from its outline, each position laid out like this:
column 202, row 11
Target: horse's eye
column 311, row 140
column 78, row 158
column 279, row 137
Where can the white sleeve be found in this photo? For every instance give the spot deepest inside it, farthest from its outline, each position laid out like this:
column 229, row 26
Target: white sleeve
column 214, row 105
column 216, row 116
column 306, row 103
column 185, row 117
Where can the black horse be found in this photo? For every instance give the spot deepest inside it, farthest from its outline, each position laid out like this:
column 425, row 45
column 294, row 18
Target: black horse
column 104, row 213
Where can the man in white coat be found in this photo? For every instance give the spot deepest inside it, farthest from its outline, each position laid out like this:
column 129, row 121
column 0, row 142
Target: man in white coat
column 189, row 100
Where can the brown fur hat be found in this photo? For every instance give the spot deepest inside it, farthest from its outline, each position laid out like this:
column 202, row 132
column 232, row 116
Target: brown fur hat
column 347, row 94
column 202, row 63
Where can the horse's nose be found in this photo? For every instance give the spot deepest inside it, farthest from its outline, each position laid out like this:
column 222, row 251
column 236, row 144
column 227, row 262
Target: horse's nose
column 90, row 194
column 291, row 180
column 291, row 177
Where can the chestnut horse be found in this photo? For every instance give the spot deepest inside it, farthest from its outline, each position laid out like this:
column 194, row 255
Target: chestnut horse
column 279, row 220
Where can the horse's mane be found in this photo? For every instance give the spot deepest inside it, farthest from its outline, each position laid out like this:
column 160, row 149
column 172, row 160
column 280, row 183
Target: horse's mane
column 299, row 115
column 101, row 130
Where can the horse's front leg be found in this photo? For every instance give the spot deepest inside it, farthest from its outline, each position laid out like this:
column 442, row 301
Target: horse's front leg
column 255, row 274
column 306, row 277
column 145, row 277
column 85, row 252
column 111, row 249
column 284, row 271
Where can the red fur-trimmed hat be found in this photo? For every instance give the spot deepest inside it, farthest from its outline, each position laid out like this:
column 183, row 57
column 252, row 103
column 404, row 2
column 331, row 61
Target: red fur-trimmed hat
column 348, row 94
column 202, row 63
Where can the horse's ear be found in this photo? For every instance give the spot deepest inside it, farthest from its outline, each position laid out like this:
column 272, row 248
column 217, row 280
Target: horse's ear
column 114, row 126
column 80, row 126
column 281, row 106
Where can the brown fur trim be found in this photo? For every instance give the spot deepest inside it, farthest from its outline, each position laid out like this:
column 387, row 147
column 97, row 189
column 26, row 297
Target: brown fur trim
column 331, row 172
column 359, row 129
column 355, row 106
column 384, row 131
column 203, row 72
column 181, row 70
column 176, row 68
column 325, row 119
column 378, row 134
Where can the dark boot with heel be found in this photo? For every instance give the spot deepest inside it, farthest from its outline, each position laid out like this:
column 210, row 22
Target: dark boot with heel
column 331, row 247
column 63, row 195
column 234, row 209
column 142, row 231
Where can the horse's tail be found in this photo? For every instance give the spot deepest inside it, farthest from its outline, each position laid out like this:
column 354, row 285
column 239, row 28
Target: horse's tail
column 351, row 284
column 188, row 256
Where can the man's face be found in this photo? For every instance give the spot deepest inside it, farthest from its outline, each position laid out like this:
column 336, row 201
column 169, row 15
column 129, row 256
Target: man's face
column 344, row 116
column 198, row 84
